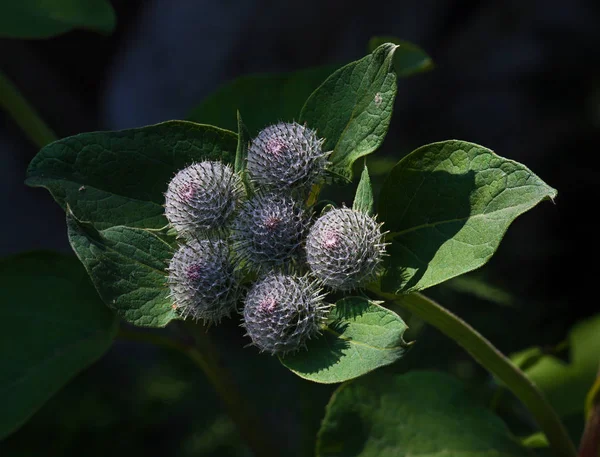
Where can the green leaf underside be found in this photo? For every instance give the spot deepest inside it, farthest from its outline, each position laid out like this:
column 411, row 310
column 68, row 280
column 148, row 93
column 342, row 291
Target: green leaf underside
column 54, row 325
column 360, row 337
column 566, row 384
column 409, row 59
column 352, row 109
column 263, row 99
column 128, row 268
column 119, row 178
column 363, row 200
column 447, row 206
column 417, row 414
column 44, row 19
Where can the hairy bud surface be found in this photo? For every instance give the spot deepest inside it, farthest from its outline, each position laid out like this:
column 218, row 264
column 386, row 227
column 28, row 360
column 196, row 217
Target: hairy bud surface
column 202, row 197
column 203, row 280
column 283, row 312
column 286, row 156
column 269, row 230
column 344, row 249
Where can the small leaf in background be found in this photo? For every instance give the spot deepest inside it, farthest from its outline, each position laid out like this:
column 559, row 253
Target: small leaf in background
column 264, row 99
column 416, row 414
column 363, row 200
column 566, row 384
column 447, row 206
column 119, row 178
column 44, row 19
column 54, row 325
column 352, row 109
column 128, row 267
column 409, row 59
column 360, row 337
column 480, row 288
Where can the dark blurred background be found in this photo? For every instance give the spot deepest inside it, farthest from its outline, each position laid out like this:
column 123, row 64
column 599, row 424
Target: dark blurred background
column 520, row 77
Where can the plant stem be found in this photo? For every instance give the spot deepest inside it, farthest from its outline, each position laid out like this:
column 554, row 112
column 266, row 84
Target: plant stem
column 590, row 441
column 493, row 360
column 205, row 355
column 24, row 114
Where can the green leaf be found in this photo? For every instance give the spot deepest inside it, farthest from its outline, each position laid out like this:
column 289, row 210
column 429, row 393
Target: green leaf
column 419, row 414
column 263, row 98
column 409, row 59
column 242, row 145
column 352, row 109
column 363, row 200
column 360, row 336
column 447, row 206
column 566, row 384
column 119, row 178
column 53, row 326
column 128, row 267
column 44, row 19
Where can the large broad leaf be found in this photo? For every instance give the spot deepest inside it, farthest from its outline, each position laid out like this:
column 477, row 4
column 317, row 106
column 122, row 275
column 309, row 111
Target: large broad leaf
column 359, row 337
column 263, row 99
column 43, row 19
column 119, row 178
column 447, row 206
column 128, row 267
column 53, row 326
column 420, row 414
column 409, row 59
column 352, row 109
column 566, row 384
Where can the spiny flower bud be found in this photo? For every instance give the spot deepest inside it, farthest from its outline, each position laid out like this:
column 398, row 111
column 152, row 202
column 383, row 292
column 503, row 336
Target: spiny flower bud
column 203, row 280
column 344, row 249
column 286, row 156
column 202, row 197
column 268, row 230
column 282, row 313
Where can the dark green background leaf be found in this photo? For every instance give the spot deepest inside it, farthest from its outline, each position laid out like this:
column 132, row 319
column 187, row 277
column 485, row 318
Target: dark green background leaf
column 409, row 58
column 363, row 200
column 360, row 337
column 44, row 19
column 128, row 267
column 263, row 99
column 447, row 206
column 416, row 414
column 566, row 384
column 53, row 326
column 352, row 109
column 119, row 178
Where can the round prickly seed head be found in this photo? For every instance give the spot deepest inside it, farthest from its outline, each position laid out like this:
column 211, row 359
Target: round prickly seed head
column 268, row 230
column 285, row 156
column 203, row 280
column 344, row 249
column 202, row 197
column 282, row 313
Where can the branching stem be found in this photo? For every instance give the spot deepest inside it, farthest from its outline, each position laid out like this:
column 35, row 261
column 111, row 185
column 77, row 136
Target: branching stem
column 494, row 361
column 203, row 353
column 13, row 102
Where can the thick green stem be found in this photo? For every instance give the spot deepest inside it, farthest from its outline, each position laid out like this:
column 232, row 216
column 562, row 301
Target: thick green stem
column 206, row 356
column 493, row 360
column 24, row 114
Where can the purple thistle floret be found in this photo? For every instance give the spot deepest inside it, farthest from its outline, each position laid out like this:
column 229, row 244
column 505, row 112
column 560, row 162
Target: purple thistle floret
column 344, row 249
column 287, row 156
column 203, row 280
column 283, row 312
column 202, row 198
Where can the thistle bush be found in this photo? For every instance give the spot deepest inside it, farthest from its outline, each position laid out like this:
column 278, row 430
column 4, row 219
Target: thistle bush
column 216, row 223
